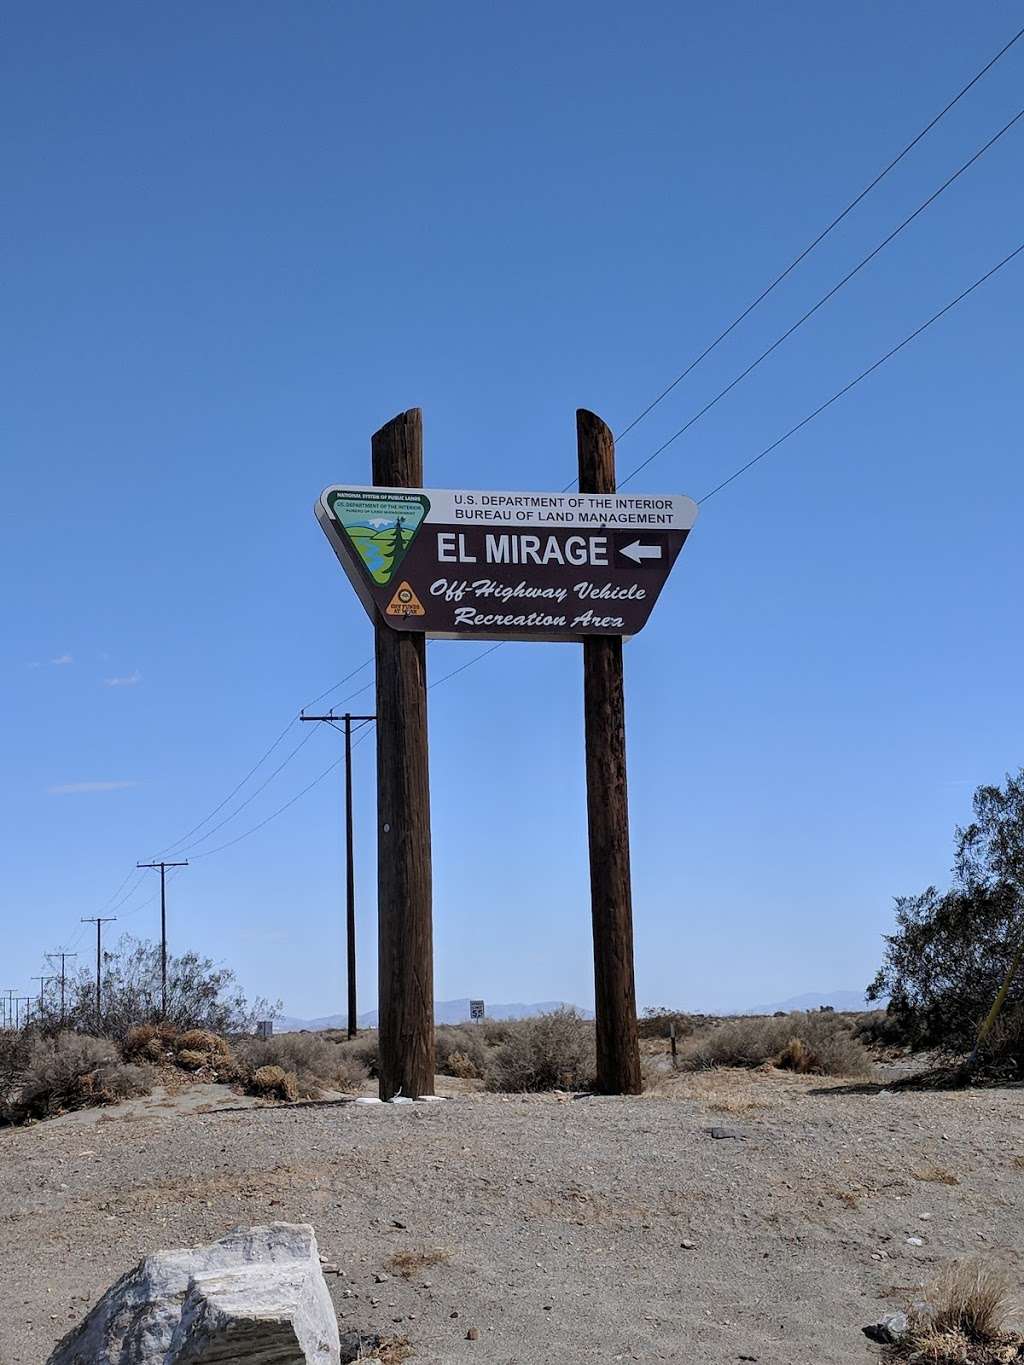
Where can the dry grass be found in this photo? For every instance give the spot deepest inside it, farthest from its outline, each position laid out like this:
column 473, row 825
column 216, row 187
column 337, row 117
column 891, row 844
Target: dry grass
column 971, row 1297
column 548, row 1052
column 202, row 1041
column 274, row 1083
column 310, row 1062
column 191, row 1061
column 850, row 1198
column 148, row 1043
column 936, row 1175
column 965, row 1319
column 1018, row 1163
column 721, row 1102
column 818, row 1044
column 410, row 1263
column 74, row 1071
column 392, row 1351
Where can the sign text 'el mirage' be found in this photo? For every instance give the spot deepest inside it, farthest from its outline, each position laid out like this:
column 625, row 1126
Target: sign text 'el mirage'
column 506, row 566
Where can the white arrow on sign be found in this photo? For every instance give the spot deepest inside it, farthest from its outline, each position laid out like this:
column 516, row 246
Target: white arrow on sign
column 636, row 551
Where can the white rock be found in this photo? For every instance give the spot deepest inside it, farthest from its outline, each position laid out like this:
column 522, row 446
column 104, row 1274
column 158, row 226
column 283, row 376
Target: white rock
column 257, row 1295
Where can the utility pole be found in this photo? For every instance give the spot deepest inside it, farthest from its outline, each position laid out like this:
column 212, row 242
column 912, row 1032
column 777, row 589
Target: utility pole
column 404, row 904
column 44, row 981
column 611, row 896
column 26, row 1000
column 99, row 923
column 63, row 970
column 163, row 928
column 9, row 1010
column 350, row 883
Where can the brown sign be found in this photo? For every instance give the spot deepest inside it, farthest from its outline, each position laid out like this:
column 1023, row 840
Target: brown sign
column 506, row 566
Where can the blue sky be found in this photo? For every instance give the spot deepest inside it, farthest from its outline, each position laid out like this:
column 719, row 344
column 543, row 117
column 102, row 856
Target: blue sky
column 241, row 238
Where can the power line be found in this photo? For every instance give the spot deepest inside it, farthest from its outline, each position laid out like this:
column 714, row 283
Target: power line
column 864, row 374
column 258, row 764
column 822, row 235
column 778, row 280
column 365, row 664
column 824, row 298
column 273, row 816
column 251, row 797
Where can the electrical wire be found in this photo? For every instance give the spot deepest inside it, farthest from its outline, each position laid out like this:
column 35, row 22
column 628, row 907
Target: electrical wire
column 824, row 299
column 717, row 489
column 273, row 816
column 863, row 374
column 365, row 664
column 258, row 764
column 636, row 420
column 251, row 797
column 821, row 235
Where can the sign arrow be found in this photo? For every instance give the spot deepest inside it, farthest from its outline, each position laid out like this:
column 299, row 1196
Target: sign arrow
column 636, row 552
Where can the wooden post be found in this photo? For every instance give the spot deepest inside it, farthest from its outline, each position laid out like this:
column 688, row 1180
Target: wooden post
column 350, row 886
column 611, row 900
column 406, row 953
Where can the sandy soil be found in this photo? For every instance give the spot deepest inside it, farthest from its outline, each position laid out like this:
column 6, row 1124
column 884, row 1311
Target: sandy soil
column 569, row 1229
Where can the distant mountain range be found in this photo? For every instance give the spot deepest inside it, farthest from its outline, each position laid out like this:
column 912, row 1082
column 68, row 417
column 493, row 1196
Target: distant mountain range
column 839, row 1000
column 445, row 1012
column 457, row 1011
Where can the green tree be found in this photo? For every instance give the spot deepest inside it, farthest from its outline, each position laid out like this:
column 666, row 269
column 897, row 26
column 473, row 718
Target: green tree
column 952, row 949
column 200, row 994
column 395, row 545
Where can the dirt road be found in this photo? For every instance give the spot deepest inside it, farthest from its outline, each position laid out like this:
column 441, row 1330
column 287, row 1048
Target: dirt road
column 572, row 1230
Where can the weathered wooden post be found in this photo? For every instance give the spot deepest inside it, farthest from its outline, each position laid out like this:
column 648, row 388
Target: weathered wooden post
column 482, row 565
column 611, row 896
column 404, row 904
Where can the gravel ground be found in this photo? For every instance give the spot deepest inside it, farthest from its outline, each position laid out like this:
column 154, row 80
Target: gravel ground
column 571, row 1230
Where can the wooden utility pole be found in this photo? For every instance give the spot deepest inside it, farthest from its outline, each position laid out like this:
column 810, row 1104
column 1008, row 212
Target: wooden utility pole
column 163, row 928
column 99, row 922
column 350, row 875
column 63, row 976
column 406, row 953
column 611, row 897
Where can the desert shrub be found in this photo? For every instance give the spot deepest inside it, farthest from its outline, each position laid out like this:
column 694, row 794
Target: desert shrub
column 364, row 1052
column 494, row 1031
column 72, row 1071
column 882, row 1028
column 797, row 1056
column 202, row 1041
column 952, row 949
column 460, row 1051
column 118, row 1081
column 817, row 1043
column 148, row 1043
column 970, row 1297
column 1003, row 1049
column 191, row 1061
column 273, row 1082
column 461, row 1066
column 14, row 1050
column 313, row 1063
column 656, row 1022
column 965, row 1317
column 551, row 1051
column 200, row 995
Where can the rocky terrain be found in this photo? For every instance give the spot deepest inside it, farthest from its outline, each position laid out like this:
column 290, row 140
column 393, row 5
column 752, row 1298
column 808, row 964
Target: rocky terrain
column 544, row 1228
